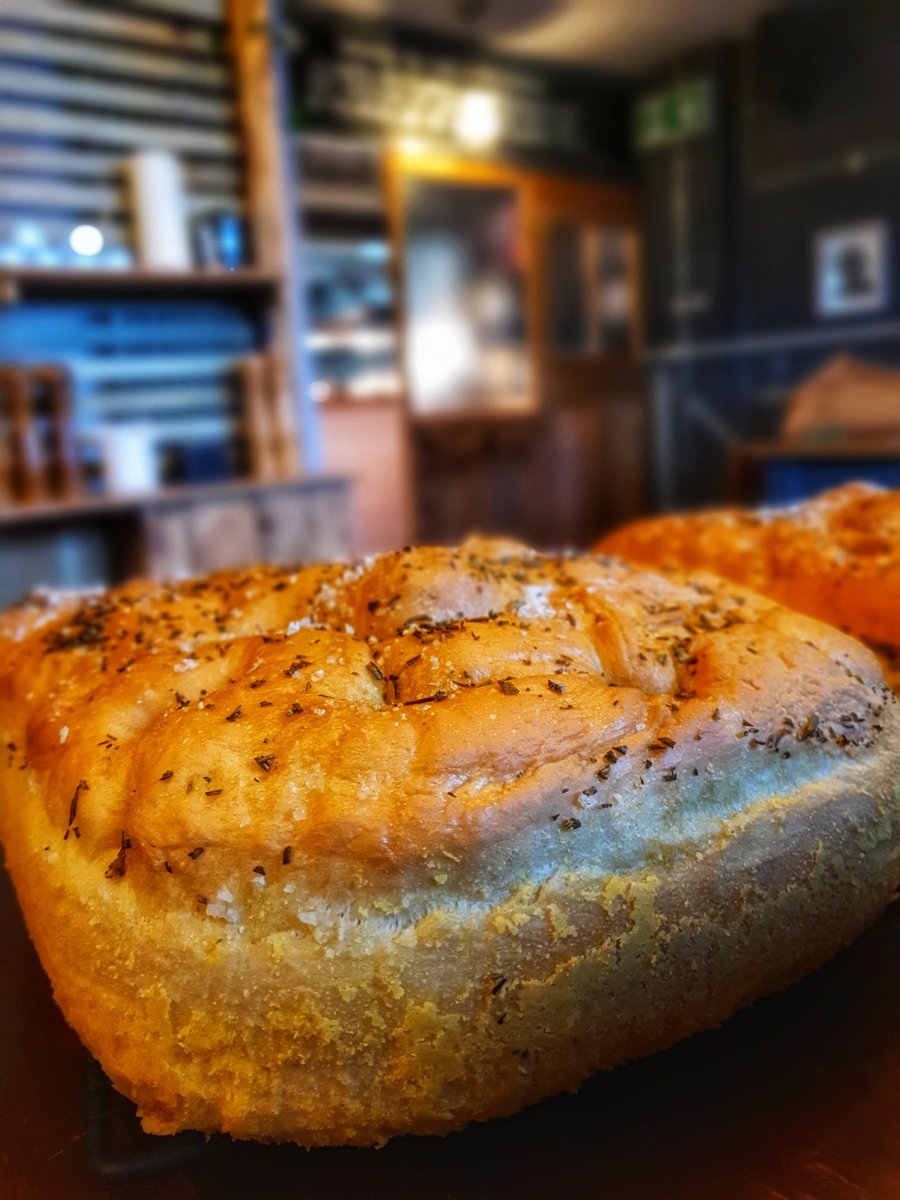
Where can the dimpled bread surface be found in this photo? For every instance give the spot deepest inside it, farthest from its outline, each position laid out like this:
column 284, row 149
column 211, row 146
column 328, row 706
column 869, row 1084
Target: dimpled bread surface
column 345, row 852
column 836, row 557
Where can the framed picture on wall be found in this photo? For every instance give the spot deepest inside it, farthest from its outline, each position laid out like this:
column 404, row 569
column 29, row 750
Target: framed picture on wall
column 851, row 272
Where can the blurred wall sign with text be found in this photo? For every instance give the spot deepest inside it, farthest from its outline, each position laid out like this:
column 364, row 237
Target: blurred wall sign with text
column 399, row 93
column 378, row 77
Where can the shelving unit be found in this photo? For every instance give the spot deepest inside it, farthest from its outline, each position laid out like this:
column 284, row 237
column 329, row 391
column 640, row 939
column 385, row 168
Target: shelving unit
column 365, row 339
column 14, row 515
column 353, row 343
column 347, row 269
column 171, row 532
column 85, row 85
column 24, row 283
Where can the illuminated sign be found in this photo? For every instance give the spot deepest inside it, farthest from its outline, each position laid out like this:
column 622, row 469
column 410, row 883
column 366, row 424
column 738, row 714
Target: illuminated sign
column 374, row 84
column 680, row 112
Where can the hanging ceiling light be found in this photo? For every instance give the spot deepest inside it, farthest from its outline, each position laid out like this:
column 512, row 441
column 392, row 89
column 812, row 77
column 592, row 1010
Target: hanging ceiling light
column 478, row 121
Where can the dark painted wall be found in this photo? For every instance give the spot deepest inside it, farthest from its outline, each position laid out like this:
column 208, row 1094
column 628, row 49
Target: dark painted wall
column 688, row 198
column 818, row 130
column 806, row 138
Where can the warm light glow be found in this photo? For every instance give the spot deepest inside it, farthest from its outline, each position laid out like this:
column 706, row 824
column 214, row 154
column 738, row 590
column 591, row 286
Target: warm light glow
column 442, row 358
column 409, row 145
column 478, row 121
column 86, row 240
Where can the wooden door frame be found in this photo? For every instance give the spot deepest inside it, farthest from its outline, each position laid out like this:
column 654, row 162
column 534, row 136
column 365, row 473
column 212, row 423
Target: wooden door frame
column 399, row 167
column 544, row 198
column 588, row 202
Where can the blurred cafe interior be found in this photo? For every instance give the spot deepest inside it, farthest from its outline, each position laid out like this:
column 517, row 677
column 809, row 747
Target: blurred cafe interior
column 283, row 282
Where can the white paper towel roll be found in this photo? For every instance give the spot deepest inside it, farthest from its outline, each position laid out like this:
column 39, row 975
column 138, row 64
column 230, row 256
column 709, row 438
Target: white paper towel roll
column 158, row 207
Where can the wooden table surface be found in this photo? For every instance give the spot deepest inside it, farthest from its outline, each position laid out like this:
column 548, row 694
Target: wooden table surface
column 797, row 1098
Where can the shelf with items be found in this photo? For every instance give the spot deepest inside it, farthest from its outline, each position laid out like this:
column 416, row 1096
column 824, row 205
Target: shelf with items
column 21, row 283
column 76, row 508
column 81, row 286
column 371, row 339
column 172, row 532
column 347, row 271
column 95, row 430
column 353, row 201
column 353, row 343
column 340, row 178
column 354, row 363
column 185, row 443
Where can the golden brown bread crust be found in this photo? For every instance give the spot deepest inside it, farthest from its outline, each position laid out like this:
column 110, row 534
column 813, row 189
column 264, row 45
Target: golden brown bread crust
column 347, row 852
column 836, row 557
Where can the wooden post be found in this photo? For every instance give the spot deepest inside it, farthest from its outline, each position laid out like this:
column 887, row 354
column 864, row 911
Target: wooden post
column 25, row 465
column 255, row 417
column 62, row 469
column 270, row 204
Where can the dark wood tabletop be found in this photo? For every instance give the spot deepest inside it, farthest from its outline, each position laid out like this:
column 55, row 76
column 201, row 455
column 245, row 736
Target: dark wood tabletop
column 796, row 1098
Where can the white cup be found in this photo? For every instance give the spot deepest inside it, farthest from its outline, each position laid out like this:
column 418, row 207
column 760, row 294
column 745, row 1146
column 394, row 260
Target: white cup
column 129, row 458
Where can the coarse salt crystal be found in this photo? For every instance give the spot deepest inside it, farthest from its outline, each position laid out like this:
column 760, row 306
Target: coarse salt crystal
column 186, row 664
column 63, row 734
column 217, row 909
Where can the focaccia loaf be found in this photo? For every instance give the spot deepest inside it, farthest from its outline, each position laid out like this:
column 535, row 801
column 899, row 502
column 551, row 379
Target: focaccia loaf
column 836, row 557
column 340, row 853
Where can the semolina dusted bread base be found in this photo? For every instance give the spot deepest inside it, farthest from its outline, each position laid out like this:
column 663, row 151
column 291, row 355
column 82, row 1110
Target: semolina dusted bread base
column 397, row 1033
column 582, row 862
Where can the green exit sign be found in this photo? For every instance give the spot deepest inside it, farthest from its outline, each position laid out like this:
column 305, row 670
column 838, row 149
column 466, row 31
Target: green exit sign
column 680, row 112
